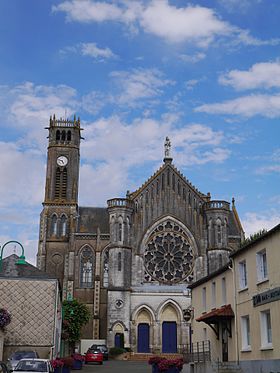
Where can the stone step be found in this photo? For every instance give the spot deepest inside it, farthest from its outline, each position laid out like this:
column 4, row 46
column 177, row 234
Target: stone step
column 145, row 357
column 226, row 367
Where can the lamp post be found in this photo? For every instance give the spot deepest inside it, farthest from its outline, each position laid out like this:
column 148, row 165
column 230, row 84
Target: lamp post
column 21, row 259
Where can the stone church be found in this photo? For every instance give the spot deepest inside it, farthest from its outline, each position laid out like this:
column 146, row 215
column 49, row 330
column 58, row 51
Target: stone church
column 132, row 261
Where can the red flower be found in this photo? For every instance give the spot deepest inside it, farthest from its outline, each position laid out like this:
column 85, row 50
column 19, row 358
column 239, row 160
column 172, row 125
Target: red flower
column 155, row 360
column 56, row 363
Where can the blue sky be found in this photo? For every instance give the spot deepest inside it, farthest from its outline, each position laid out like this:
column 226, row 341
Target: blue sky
column 206, row 74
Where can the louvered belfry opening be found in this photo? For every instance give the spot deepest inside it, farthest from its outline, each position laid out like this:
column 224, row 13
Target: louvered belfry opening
column 61, row 183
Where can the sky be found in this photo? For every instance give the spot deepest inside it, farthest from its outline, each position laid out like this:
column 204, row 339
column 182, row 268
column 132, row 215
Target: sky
column 205, row 73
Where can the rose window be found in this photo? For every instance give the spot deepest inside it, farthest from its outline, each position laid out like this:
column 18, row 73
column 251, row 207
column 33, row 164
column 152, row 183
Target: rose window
column 168, row 256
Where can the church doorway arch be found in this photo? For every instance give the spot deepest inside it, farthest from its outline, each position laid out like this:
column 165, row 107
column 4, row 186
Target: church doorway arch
column 169, row 324
column 143, row 331
column 118, row 336
column 143, row 338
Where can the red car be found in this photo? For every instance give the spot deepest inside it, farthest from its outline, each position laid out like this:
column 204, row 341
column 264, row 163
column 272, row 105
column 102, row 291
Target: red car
column 94, row 356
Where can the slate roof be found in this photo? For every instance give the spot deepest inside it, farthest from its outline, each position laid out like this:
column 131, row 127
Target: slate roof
column 12, row 270
column 92, row 218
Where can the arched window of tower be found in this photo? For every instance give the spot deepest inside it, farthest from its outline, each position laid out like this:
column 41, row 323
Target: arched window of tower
column 63, row 135
column 63, row 225
column 57, row 136
column 69, row 136
column 219, row 231
column 54, row 225
column 120, row 231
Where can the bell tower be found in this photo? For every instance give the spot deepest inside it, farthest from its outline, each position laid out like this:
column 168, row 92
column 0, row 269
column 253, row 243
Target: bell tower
column 60, row 207
column 63, row 162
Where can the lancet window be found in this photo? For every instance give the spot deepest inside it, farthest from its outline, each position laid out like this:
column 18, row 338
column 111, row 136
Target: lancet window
column 86, row 267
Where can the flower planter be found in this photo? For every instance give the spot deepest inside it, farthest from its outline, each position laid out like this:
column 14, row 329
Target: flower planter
column 65, row 369
column 162, row 365
column 155, row 369
column 57, row 370
column 77, row 364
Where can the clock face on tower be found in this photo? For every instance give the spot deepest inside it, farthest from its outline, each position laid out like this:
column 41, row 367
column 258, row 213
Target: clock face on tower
column 62, row 160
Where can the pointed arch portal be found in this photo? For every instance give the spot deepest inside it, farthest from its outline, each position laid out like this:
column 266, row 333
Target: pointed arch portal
column 143, row 338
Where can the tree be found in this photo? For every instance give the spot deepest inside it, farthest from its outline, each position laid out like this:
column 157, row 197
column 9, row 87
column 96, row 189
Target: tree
column 253, row 237
column 75, row 316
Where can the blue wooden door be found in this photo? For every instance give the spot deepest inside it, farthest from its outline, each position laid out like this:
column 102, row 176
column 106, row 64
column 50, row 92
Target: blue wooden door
column 143, row 338
column 119, row 340
column 169, row 337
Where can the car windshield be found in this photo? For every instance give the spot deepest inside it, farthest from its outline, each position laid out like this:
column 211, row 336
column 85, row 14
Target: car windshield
column 32, row 366
column 20, row 354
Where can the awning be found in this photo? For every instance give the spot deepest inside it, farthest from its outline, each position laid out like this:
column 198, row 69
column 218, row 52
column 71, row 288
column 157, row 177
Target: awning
column 217, row 316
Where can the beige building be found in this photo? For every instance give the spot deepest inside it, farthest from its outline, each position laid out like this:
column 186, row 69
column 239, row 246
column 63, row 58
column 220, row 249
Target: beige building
column 236, row 311
column 32, row 298
column 213, row 325
column 257, row 278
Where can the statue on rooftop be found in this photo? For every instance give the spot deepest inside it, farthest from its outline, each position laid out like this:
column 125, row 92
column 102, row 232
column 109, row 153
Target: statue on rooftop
column 167, row 148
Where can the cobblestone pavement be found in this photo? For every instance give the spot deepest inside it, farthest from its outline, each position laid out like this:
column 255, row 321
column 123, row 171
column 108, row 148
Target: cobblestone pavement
column 118, row 367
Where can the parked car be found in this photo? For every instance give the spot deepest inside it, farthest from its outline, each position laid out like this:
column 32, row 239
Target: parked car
column 34, row 366
column 3, row 368
column 93, row 356
column 18, row 355
column 103, row 349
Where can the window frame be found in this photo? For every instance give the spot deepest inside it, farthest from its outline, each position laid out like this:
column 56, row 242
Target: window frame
column 261, row 266
column 245, row 333
column 243, row 278
column 266, row 332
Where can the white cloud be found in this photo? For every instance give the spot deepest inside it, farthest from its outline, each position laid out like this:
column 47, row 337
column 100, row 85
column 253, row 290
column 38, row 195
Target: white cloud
column 254, row 222
column 138, row 85
column 91, row 50
column 192, row 58
column 274, row 168
column 113, row 148
column 192, row 24
column 260, row 75
column 237, row 5
column 88, row 11
column 22, row 176
column 247, row 106
column 191, row 83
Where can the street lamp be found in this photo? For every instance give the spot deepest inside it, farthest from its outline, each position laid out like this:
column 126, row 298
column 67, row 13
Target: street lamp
column 21, row 259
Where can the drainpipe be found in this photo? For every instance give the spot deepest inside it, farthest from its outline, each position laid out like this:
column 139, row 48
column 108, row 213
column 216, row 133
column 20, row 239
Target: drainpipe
column 232, row 268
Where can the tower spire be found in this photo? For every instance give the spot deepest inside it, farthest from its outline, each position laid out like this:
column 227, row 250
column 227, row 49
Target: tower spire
column 167, row 151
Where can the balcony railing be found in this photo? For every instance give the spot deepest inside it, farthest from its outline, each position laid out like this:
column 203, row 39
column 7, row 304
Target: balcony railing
column 217, row 205
column 120, row 202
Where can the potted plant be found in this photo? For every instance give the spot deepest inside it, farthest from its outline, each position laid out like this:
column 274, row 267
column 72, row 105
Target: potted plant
column 161, row 364
column 67, row 364
column 154, row 361
column 57, row 365
column 77, row 361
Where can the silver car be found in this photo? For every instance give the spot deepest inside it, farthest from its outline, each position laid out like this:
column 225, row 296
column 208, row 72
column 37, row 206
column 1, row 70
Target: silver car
column 18, row 355
column 34, row 366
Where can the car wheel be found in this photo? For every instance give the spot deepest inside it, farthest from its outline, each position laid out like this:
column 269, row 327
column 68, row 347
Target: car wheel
column 101, row 362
